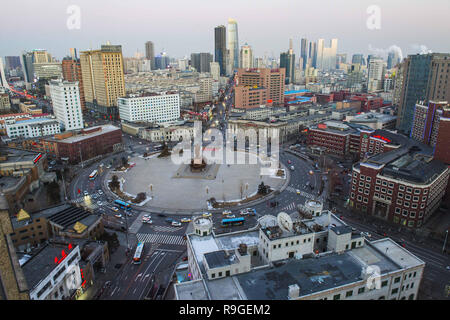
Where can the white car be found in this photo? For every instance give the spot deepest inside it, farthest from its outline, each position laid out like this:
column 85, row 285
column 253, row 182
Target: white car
column 176, row 224
column 100, row 192
column 148, row 221
column 86, row 193
column 226, row 212
column 99, row 203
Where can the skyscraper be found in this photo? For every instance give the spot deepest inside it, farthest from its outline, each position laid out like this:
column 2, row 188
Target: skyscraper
column 287, row 61
column 201, row 61
column 303, row 52
column 358, row 58
column 3, row 82
column 220, row 48
column 326, row 56
column 313, row 54
column 150, row 53
column 233, row 45
column 26, row 59
column 103, row 78
column 375, row 74
column 424, row 79
column 246, row 57
column 393, row 59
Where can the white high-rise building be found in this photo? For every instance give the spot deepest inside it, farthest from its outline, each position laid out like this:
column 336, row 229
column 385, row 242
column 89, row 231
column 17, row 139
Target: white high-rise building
column 375, row 75
column 215, row 70
column 233, row 45
column 3, row 82
column 246, row 57
column 66, row 104
column 160, row 107
column 183, row 64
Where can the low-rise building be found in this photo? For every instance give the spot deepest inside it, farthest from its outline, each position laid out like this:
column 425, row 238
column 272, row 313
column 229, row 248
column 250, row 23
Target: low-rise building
column 317, row 257
column 373, row 120
column 400, row 183
column 32, row 127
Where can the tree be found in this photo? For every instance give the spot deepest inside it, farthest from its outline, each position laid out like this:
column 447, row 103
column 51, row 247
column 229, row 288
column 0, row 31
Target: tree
column 263, row 189
column 124, row 161
column 53, row 193
column 141, row 196
column 114, row 184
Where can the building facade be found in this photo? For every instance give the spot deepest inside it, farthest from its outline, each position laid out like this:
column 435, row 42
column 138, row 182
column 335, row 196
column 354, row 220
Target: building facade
column 67, row 104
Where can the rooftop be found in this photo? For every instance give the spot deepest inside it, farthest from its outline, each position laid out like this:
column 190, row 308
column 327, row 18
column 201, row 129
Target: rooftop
column 80, row 137
column 221, row 258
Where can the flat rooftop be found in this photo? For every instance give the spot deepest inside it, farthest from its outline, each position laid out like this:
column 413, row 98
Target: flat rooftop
column 42, row 264
column 17, row 155
column 80, row 137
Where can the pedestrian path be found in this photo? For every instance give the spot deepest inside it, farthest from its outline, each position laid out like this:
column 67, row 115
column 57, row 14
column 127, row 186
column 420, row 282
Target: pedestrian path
column 161, row 238
column 166, row 229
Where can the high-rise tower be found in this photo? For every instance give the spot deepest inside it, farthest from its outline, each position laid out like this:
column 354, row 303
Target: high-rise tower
column 233, row 45
column 220, row 48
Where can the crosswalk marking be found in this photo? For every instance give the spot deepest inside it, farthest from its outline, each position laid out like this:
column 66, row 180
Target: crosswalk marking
column 291, row 207
column 166, row 229
column 161, row 238
column 302, row 193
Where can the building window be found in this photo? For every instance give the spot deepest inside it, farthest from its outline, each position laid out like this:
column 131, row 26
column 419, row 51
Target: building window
column 400, row 195
column 394, row 291
column 401, row 188
column 384, row 283
column 349, row 293
column 361, row 290
column 336, row 297
column 397, row 280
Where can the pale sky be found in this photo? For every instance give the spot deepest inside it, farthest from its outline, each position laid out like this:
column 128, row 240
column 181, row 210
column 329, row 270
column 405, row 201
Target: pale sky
column 181, row 27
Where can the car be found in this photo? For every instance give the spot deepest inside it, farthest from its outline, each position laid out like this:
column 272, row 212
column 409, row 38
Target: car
column 226, row 212
column 231, row 216
column 292, row 168
column 108, row 166
column 298, row 191
column 366, row 234
column 243, row 212
column 86, row 193
column 146, row 216
column 129, row 214
column 176, row 224
column 148, row 221
column 100, row 192
column 169, row 220
column 447, row 267
column 206, row 214
column 99, row 203
column 118, row 215
column 115, row 209
column 289, row 161
column 185, row 220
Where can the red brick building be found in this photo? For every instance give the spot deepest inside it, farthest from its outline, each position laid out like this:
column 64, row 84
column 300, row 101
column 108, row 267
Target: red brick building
column 85, row 144
column 401, row 183
column 431, row 126
column 368, row 102
column 71, row 70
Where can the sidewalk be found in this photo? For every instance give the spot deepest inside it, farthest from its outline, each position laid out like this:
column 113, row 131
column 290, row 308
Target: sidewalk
column 116, row 258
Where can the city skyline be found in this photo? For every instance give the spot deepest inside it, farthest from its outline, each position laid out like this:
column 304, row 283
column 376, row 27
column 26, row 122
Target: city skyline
column 99, row 24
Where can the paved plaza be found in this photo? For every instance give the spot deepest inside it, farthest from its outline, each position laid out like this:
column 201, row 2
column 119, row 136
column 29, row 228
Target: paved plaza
column 190, row 192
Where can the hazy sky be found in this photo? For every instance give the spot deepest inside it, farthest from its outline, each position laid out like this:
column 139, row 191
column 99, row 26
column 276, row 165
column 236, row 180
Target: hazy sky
column 181, row 27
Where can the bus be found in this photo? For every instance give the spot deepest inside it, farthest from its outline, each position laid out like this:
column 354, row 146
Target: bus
column 138, row 253
column 123, row 204
column 93, row 175
column 232, row 222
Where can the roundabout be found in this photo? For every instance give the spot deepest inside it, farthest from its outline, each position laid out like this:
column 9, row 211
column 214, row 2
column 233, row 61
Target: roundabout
column 173, row 186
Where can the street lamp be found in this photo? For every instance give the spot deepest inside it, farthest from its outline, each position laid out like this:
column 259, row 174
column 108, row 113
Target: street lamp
column 445, row 241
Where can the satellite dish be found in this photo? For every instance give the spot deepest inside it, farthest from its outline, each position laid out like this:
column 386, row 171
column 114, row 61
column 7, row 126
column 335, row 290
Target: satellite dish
column 267, row 221
column 284, row 221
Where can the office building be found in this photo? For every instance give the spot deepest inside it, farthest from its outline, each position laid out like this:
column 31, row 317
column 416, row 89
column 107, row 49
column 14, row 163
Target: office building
column 287, row 61
column 150, row 53
column 271, row 80
column 215, row 70
column 201, row 61
column 204, row 94
column 162, row 61
column 318, row 257
column 233, row 45
column 71, row 70
column 103, row 79
column 66, row 104
column 398, row 180
column 246, row 57
column 425, row 77
column 12, row 63
column 393, row 59
column 3, row 82
column 75, row 147
column 47, row 70
column 375, row 75
column 326, row 56
column 32, row 127
column 431, row 126
column 304, row 52
column 220, row 48
column 150, row 107
column 358, row 58
column 313, row 54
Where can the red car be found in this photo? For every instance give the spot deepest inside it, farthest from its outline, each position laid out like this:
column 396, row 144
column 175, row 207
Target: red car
column 289, row 161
